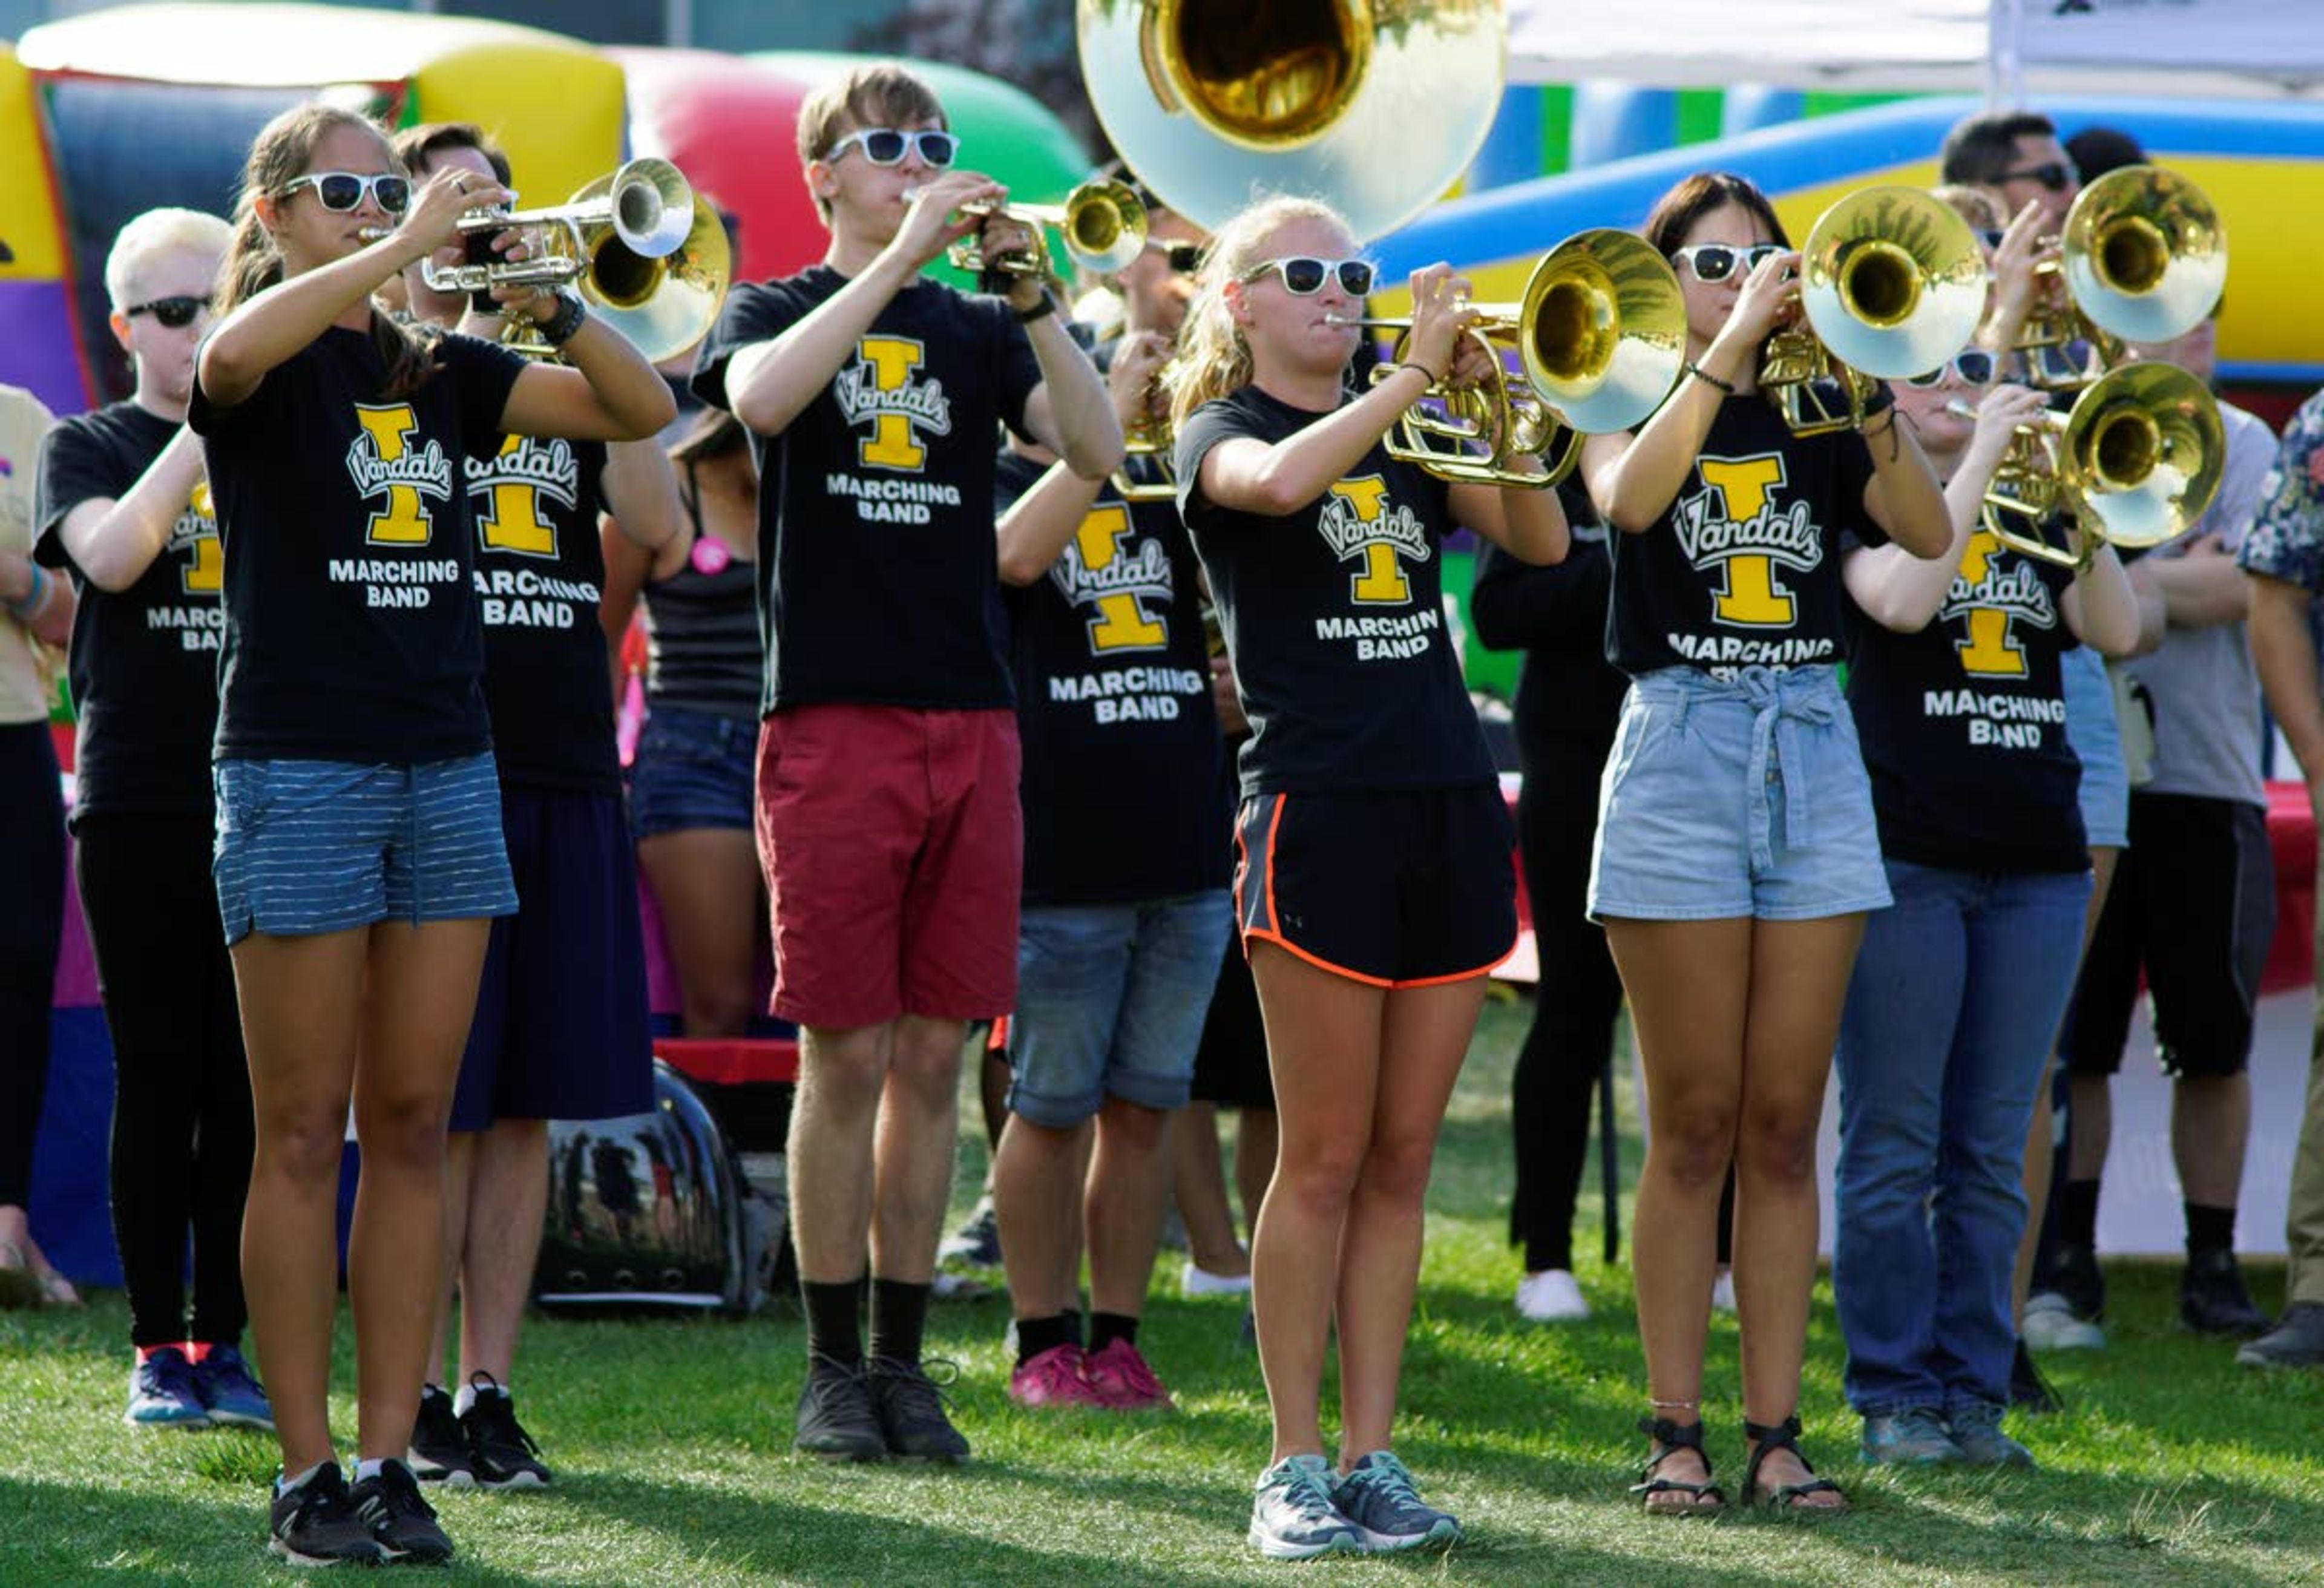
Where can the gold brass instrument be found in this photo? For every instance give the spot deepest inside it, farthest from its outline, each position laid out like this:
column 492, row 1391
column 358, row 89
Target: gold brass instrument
column 2143, row 258
column 1891, row 284
column 1379, row 104
column 1149, row 437
column 646, row 204
column 664, row 304
column 1104, row 223
column 2134, row 463
column 1601, row 335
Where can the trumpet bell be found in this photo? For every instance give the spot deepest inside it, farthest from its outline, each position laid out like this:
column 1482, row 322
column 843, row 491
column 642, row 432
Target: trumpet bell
column 1892, row 281
column 2144, row 253
column 664, row 303
column 1104, row 225
column 1603, row 331
column 1211, row 101
column 649, row 205
column 2142, row 453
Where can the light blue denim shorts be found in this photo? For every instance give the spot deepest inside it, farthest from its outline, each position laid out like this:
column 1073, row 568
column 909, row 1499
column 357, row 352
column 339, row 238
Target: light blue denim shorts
column 2096, row 735
column 1730, row 799
column 309, row 847
column 1109, row 1003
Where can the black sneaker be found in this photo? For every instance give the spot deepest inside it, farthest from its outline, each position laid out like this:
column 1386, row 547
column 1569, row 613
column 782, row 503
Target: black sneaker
column 404, row 1524
column 315, row 1524
column 977, row 1242
column 2212, row 1299
column 835, row 1417
column 2072, row 1272
column 2029, row 1392
column 439, row 1450
column 504, row 1454
column 911, row 1411
column 2297, row 1341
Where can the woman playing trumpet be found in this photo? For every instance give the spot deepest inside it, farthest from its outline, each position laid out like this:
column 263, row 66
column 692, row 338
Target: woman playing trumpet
column 1736, row 851
column 1374, row 890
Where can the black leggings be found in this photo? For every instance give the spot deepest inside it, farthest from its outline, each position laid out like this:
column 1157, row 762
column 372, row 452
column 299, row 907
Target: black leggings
column 31, row 920
column 182, row 1132
column 1573, row 1012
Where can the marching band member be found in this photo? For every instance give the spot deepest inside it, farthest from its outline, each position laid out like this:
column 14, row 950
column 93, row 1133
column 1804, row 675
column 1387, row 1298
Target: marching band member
column 1374, row 888
column 1736, row 855
column 359, row 857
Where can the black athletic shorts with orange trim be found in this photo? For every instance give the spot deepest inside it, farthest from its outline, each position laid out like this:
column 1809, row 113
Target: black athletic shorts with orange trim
column 1396, row 889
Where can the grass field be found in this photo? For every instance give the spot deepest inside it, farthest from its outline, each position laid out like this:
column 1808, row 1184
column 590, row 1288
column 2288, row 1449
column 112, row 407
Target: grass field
column 670, row 1439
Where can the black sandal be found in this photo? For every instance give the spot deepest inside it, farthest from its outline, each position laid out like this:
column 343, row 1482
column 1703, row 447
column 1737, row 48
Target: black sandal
column 1707, row 1498
column 1784, row 1435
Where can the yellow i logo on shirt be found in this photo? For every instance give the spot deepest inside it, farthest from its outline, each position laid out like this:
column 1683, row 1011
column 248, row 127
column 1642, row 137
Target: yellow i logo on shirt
column 1750, row 597
column 1990, row 650
column 1123, row 622
column 390, row 429
column 205, row 571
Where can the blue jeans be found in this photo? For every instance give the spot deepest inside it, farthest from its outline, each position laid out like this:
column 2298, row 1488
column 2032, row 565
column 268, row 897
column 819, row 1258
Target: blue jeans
column 1957, row 993
column 1110, row 1002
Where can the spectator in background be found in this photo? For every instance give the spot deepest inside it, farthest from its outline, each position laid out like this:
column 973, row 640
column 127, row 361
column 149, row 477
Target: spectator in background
column 125, row 512
column 2285, row 555
column 36, row 615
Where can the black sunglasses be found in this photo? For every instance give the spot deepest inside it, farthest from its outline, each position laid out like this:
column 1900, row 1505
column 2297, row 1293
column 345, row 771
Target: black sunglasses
column 2055, row 174
column 1713, row 263
column 1972, row 364
column 1304, row 277
column 343, row 191
column 177, row 313
column 886, row 146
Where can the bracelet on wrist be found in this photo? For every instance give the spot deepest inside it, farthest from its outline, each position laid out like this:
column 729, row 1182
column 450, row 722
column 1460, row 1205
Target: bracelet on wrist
column 1707, row 378
column 1422, row 370
column 561, row 328
column 35, row 595
column 1046, row 307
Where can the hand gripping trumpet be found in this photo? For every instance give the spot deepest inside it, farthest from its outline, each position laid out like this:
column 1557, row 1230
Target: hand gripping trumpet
column 1104, row 222
column 1600, row 336
column 648, row 208
column 2136, row 462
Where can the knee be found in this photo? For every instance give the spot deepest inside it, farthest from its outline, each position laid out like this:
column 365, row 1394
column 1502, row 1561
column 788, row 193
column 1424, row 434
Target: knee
column 305, row 1150
column 1777, row 1143
column 1132, row 1125
column 719, row 1008
column 403, row 1132
column 1396, row 1168
column 927, row 1066
column 1694, row 1146
column 1320, row 1181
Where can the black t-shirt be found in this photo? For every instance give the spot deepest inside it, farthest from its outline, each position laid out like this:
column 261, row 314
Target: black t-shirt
column 351, row 629
column 145, row 659
column 875, row 505
column 1963, row 724
column 1744, row 568
column 1113, row 706
column 540, row 574
column 1335, row 618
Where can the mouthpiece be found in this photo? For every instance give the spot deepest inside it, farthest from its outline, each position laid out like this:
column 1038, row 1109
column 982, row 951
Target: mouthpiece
column 374, row 234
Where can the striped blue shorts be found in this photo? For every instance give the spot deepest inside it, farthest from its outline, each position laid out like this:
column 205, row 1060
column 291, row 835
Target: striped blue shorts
column 311, row 846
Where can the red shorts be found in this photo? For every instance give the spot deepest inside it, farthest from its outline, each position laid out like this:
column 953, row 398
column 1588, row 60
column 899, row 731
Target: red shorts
column 894, row 849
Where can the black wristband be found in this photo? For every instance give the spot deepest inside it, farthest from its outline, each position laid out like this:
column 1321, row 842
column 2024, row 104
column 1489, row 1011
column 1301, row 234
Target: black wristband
column 1708, row 379
column 1047, row 305
column 560, row 327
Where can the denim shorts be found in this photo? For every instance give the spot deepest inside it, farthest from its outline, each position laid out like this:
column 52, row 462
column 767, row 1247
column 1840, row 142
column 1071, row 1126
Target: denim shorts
column 311, row 846
column 1109, row 1003
column 2096, row 735
column 692, row 769
column 1730, row 799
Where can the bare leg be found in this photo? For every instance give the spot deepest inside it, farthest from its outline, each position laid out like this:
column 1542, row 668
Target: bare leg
column 1424, row 1036
column 2210, row 1122
column 1323, row 1044
column 1689, row 983
column 705, row 880
column 919, row 1130
column 1257, row 1137
column 459, row 1162
column 832, row 1117
column 421, row 994
column 1799, row 980
column 301, row 1007
column 1036, row 1202
column 1128, row 1188
column 508, row 1200
column 1200, row 1179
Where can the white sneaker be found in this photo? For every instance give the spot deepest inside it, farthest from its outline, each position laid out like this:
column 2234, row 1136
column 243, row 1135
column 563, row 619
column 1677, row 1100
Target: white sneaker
column 1722, row 1291
column 2051, row 1325
column 1198, row 1281
column 1551, row 1296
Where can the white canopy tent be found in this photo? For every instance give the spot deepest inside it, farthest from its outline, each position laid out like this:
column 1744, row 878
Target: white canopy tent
column 2008, row 50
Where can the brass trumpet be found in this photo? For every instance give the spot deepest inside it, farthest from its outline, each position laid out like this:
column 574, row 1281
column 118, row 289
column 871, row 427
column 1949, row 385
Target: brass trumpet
column 647, row 205
column 1601, row 335
column 2134, row 463
column 2143, row 258
column 1104, row 222
column 1891, row 284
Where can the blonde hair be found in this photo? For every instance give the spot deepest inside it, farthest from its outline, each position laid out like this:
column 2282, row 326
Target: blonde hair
column 1212, row 357
column 886, row 93
column 278, row 157
column 153, row 233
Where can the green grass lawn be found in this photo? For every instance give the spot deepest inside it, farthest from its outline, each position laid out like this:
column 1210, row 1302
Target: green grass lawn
column 671, row 1443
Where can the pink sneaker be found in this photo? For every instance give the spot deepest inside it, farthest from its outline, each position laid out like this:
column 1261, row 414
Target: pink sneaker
column 1121, row 1380
column 1054, row 1378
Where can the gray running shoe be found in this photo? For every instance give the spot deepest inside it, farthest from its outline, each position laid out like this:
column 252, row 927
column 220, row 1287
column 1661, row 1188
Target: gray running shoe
column 1379, row 1497
column 1914, row 1436
column 2295, row 1341
column 315, row 1524
column 1976, row 1428
column 1293, row 1517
